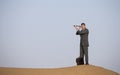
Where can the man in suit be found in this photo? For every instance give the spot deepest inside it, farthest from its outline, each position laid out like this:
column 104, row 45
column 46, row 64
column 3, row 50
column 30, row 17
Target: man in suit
column 84, row 44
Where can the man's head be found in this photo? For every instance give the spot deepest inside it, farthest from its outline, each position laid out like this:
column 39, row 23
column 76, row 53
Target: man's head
column 83, row 26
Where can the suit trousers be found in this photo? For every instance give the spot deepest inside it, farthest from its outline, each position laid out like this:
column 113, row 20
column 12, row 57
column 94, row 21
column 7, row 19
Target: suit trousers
column 84, row 52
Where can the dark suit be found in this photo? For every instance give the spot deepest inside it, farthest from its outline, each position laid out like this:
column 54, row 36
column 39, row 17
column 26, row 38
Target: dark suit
column 84, row 44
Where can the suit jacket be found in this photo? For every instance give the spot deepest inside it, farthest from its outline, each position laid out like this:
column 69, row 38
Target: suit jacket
column 84, row 37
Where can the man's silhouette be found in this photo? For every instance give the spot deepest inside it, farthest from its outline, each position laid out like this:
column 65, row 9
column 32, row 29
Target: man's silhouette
column 84, row 44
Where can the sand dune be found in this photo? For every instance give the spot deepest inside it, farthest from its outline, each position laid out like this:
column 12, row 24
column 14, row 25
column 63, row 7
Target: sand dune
column 75, row 70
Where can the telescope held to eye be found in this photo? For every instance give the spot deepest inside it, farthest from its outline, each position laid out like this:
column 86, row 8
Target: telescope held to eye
column 77, row 26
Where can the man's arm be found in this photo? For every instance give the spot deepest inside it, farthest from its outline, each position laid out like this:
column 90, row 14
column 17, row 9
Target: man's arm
column 82, row 32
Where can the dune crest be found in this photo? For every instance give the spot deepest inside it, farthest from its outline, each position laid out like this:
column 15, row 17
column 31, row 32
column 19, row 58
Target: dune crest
column 75, row 70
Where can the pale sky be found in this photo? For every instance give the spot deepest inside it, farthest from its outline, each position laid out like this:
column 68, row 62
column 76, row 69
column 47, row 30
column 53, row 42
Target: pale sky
column 40, row 33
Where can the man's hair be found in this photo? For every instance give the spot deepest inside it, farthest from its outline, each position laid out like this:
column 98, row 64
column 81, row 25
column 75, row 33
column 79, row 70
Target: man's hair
column 83, row 24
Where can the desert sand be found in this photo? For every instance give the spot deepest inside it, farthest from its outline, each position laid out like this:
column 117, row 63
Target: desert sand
column 75, row 70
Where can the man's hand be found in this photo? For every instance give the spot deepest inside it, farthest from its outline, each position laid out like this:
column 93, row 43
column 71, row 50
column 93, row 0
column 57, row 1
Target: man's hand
column 77, row 27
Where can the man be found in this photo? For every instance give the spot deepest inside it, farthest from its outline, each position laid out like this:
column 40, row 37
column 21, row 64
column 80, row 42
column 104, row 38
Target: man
column 84, row 44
